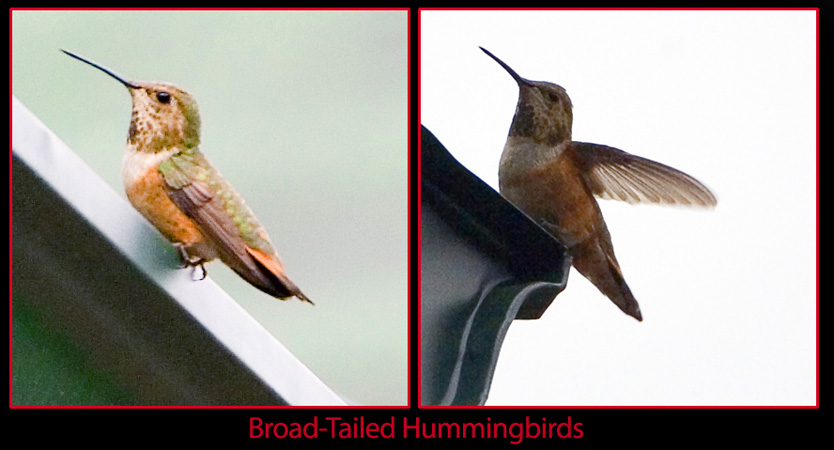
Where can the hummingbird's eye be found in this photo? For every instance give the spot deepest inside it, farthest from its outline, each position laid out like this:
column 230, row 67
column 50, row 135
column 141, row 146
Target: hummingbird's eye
column 163, row 97
column 554, row 96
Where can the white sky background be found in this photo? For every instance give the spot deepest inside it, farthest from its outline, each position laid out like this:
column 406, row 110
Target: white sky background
column 728, row 295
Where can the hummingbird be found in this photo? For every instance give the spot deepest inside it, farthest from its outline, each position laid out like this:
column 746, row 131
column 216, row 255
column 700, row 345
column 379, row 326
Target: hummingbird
column 553, row 179
column 175, row 187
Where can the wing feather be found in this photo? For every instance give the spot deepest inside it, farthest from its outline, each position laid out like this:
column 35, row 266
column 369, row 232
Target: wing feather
column 614, row 174
column 225, row 220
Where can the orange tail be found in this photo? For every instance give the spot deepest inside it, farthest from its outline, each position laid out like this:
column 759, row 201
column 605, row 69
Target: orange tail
column 281, row 287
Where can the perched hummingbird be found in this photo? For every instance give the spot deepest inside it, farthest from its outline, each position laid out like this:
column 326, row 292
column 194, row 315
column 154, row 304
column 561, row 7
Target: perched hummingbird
column 553, row 179
column 170, row 182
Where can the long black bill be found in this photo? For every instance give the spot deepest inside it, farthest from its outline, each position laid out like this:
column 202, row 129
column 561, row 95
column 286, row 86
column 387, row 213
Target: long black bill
column 509, row 69
column 103, row 69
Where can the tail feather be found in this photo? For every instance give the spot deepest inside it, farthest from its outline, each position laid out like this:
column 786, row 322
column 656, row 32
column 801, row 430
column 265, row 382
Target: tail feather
column 281, row 286
column 603, row 271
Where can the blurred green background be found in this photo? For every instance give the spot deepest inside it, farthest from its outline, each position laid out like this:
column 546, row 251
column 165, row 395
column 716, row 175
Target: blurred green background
column 306, row 114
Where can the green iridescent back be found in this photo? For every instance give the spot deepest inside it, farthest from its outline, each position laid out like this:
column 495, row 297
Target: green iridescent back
column 190, row 166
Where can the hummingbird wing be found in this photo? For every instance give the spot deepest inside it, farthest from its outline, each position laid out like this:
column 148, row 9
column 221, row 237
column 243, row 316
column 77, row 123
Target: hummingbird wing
column 222, row 216
column 614, row 174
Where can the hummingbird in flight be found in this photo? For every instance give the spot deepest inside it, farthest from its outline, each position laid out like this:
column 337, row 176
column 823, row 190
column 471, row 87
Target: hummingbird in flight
column 172, row 184
column 554, row 179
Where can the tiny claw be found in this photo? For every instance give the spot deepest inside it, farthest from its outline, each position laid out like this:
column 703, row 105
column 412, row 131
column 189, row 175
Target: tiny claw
column 194, row 269
column 187, row 261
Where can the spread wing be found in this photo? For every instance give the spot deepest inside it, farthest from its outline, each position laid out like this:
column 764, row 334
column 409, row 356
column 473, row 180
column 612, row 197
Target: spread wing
column 617, row 175
column 197, row 188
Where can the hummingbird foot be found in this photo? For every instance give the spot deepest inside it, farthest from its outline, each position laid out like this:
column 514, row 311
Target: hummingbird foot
column 188, row 260
column 202, row 268
column 185, row 259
